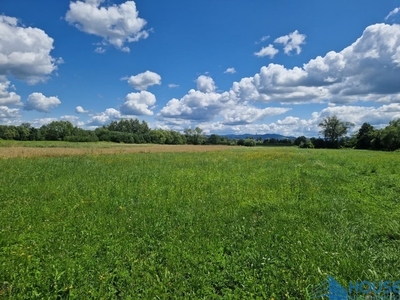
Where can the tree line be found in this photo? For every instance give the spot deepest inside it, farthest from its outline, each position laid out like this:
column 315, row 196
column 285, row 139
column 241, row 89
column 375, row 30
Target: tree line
column 132, row 131
column 334, row 132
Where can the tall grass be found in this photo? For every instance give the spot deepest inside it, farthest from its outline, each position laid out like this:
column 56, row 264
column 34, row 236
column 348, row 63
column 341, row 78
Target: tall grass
column 64, row 144
column 242, row 223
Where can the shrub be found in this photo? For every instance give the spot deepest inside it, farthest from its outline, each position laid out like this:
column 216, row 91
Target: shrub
column 249, row 142
column 306, row 144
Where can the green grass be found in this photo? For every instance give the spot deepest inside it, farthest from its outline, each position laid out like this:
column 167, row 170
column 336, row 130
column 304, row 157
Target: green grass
column 64, row 144
column 244, row 223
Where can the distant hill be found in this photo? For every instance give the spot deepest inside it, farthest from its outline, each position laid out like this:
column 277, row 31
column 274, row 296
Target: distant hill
column 257, row 136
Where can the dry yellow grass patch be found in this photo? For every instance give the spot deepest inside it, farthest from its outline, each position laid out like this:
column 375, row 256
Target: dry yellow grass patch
column 10, row 152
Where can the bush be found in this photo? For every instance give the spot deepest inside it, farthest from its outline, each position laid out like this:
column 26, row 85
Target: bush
column 249, row 142
column 306, row 144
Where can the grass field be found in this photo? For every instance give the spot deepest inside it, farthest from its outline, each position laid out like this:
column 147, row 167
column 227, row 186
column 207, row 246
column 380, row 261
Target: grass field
column 232, row 223
column 12, row 149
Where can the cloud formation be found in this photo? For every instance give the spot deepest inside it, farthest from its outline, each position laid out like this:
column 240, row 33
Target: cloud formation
column 105, row 117
column 206, row 105
column 379, row 116
column 41, row 103
column 116, row 24
column 100, row 50
column 7, row 113
column 267, row 51
column 138, row 104
column 230, row 71
column 205, row 84
column 262, row 39
column 80, row 110
column 73, row 119
column 25, row 52
column 246, row 114
column 291, row 42
column 393, row 13
column 7, row 97
column 295, row 126
column 195, row 105
column 143, row 80
column 367, row 70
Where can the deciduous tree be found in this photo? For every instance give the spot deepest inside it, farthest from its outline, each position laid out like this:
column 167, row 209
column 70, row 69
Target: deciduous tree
column 333, row 129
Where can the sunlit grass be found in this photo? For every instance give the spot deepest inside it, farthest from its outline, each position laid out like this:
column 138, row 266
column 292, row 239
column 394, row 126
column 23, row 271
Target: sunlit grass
column 64, row 144
column 242, row 223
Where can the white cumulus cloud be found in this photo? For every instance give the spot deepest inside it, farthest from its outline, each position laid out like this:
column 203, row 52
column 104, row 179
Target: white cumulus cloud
column 368, row 69
column 80, row 110
column 292, row 42
column 39, row 102
column 205, row 84
column 116, row 24
column 230, row 71
column 37, row 123
column 377, row 116
column 295, row 126
column 25, row 51
column 138, row 104
column 7, row 97
column 205, row 105
column 195, row 105
column 143, row 80
column 245, row 114
column 105, row 117
column 8, row 113
column 73, row 119
column 267, row 51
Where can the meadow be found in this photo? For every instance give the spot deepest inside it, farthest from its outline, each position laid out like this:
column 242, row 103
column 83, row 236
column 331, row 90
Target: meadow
column 226, row 223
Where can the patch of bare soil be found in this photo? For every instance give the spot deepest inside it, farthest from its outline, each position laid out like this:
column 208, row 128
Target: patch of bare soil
column 10, row 152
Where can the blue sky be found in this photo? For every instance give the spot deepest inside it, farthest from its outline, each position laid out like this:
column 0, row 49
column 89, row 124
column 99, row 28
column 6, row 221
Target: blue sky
column 226, row 66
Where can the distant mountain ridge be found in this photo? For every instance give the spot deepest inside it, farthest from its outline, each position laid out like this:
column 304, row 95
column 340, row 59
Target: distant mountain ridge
column 257, row 136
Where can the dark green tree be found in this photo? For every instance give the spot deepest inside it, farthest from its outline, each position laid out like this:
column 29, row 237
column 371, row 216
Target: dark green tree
column 24, row 131
column 213, row 139
column 82, row 135
column 333, row 129
column 299, row 140
column 103, row 134
column 195, row 136
column 11, row 133
column 306, row 144
column 318, row 142
column 249, row 142
column 364, row 136
column 390, row 136
column 57, row 130
column 177, row 138
column 158, row 136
